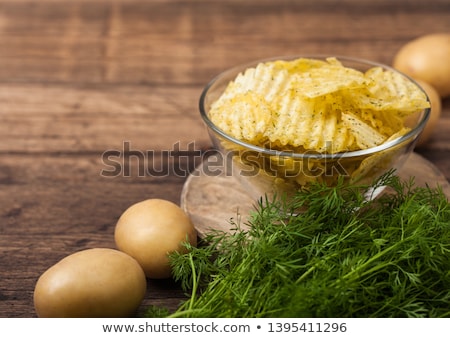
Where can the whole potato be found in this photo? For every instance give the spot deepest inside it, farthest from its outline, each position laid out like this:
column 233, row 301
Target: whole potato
column 150, row 230
column 97, row 282
column 427, row 58
column 436, row 109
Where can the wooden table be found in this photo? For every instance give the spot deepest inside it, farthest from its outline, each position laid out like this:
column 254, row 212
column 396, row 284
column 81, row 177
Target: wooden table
column 84, row 80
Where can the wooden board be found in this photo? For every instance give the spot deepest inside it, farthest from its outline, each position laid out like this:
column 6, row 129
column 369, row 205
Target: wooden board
column 218, row 202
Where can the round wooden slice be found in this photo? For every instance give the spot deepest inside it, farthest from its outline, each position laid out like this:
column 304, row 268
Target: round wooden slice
column 215, row 199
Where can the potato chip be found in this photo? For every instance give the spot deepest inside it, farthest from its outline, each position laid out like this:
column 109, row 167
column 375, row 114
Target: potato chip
column 265, row 79
column 309, row 124
column 246, row 116
column 387, row 90
column 365, row 135
column 316, row 105
column 300, row 65
column 317, row 81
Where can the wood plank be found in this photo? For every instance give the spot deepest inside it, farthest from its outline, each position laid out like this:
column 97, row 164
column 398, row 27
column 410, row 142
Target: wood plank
column 50, row 118
column 123, row 42
column 100, row 118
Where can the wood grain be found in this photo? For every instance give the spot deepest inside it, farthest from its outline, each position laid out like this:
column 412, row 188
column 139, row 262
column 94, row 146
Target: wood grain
column 181, row 42
column 74, row 119
column 82, row 80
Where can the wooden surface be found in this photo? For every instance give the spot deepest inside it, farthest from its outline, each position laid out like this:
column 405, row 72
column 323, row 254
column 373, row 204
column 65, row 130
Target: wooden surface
column 84, row 84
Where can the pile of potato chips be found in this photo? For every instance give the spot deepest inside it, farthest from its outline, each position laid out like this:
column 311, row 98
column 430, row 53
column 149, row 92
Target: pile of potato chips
column 316, row 105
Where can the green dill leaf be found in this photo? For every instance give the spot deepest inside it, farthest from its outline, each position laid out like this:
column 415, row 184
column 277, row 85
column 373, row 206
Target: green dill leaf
column 328, row 252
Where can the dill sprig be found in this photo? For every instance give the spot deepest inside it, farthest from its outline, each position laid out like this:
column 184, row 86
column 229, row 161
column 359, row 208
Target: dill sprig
column 341, row 255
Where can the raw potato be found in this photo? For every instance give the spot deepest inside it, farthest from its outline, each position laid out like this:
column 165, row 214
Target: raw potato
column 428, row 59
column 150, row 230
column 97, row 282
column 436, row 109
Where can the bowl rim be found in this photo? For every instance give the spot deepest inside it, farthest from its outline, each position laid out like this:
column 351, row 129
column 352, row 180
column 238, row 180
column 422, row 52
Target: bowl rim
column 412, row 134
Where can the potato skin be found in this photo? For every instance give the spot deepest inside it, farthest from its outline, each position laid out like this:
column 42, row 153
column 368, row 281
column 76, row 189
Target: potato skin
column 150, row 230
column 436, row 110
column 98, row 282
column 427, row 58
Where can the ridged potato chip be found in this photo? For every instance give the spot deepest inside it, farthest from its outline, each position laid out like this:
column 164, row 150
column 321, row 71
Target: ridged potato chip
column 365, row 135
column 316, row 105
column 247, row 116
column 389, row 91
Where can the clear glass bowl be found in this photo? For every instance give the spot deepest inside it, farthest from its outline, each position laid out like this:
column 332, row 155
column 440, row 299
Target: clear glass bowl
column 263, row 171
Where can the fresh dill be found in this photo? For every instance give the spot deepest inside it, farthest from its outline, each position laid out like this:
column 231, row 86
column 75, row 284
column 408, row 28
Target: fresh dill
column 342, row 255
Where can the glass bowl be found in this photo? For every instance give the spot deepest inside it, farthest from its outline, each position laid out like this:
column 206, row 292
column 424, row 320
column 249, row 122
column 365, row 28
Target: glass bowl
column 263, row 171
